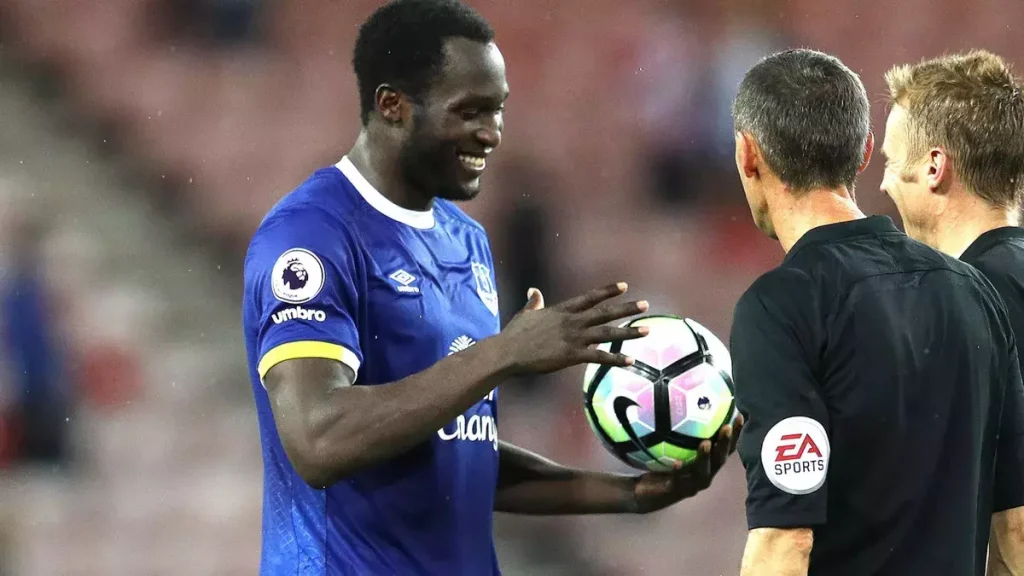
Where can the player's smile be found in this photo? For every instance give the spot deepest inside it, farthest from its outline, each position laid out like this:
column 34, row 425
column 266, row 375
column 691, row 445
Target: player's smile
column 472, row 163
column 465, row 114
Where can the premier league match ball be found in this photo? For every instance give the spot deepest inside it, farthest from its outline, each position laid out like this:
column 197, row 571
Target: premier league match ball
column 654, row 414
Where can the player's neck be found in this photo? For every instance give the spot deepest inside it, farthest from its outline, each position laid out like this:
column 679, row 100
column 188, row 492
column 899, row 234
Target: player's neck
column 379, row 166
column 794, row 216
column 974, row 217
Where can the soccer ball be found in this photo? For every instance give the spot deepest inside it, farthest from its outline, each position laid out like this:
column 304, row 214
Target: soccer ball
column 654, row 414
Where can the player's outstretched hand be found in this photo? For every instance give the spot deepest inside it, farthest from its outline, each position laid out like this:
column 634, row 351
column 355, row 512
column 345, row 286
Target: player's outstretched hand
column 546, row 339
column 656, row 490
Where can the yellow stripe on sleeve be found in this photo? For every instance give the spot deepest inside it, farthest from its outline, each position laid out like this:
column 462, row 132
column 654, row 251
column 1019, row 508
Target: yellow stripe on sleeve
column 307, row 349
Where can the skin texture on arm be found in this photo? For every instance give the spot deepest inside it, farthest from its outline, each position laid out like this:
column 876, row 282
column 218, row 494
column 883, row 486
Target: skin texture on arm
column 531, row 484
column 1006, row 544
column 777, row 552
column 331, row 429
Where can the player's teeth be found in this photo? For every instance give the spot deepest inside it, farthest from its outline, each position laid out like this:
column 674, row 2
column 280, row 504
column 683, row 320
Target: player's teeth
column 473, row 161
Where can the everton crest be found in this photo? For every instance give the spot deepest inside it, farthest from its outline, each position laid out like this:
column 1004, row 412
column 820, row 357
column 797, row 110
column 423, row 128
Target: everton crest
column 485, row 287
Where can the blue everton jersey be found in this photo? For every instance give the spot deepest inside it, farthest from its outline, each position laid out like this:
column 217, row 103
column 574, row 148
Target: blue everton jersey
column 337, row 271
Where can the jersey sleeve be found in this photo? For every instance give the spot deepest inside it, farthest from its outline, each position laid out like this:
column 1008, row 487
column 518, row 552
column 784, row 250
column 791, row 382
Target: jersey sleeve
column 303, row 279
column 1008, row 491
column 784, row 446
column 1008, row 488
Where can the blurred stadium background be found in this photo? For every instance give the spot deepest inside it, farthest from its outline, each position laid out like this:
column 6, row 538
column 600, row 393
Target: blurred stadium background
column 141, row 141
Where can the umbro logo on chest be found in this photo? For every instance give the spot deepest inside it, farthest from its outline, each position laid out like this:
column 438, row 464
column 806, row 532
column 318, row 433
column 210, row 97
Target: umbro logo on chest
column 403, row 281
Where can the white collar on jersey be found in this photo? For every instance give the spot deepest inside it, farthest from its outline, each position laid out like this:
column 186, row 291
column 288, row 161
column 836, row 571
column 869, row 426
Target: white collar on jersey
column 423, row 220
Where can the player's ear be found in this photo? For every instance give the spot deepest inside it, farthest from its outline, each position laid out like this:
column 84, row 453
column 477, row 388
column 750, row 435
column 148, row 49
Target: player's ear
column 748, row 155
column 390, row 103
column 869, row 147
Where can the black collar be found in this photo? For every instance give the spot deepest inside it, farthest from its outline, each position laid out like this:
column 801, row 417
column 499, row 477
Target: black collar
column 869, row 226
column 990, row 239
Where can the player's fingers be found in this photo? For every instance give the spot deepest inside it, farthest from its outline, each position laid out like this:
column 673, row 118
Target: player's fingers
column 600, row 334
column 593, row 297
column 720, row 449
column 737, row 427
column 611, row 311
column 702, row 466
column 595, row 356
column 738, row 421
column 724, row 434
column 705, row 447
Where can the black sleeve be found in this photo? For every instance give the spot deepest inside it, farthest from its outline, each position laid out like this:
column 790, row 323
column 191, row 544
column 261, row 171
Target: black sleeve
column 784, row 446
column 1009, row 478
column 1008, row 490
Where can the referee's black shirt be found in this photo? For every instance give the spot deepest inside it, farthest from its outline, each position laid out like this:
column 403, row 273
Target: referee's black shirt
column 872, row 372
column 999, row 255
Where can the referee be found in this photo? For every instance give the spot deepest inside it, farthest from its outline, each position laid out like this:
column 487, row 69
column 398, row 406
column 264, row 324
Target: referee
column 969, row 107
column 871, row 369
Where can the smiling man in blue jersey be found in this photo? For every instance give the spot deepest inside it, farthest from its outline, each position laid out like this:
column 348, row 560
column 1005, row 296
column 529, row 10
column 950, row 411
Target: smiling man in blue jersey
column 371, row 321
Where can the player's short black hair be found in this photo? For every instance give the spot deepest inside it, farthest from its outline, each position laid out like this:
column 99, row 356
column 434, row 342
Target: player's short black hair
column 402, row 44
column 810, row 116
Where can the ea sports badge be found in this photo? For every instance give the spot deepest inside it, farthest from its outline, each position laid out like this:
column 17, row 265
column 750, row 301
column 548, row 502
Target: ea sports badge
column 795, row 455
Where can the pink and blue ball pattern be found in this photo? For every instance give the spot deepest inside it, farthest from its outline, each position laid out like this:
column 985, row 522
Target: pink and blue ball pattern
column 669, row 340
column 699, row 400
column 618, row 383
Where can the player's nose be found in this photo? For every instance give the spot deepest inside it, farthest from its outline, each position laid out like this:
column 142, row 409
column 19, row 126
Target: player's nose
column 489, row 136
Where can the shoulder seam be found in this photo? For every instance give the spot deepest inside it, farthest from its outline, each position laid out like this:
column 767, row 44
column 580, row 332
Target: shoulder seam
column 892, row 257
column 842, row 296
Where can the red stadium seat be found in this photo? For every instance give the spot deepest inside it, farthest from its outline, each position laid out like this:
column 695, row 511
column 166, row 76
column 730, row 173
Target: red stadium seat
column 109, row 376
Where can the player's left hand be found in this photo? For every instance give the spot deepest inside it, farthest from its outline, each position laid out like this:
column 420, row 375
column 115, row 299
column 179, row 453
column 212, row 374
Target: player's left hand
column 656, row 490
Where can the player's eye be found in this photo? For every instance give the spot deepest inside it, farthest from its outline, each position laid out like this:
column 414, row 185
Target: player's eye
column 468, row 114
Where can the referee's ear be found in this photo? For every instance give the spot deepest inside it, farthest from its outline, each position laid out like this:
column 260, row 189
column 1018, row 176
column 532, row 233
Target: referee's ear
column 534, row 299
column 869, row 147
